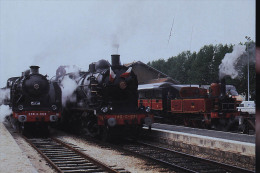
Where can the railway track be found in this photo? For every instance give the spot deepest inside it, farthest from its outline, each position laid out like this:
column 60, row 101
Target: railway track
column 179, row 161
column 65, row 157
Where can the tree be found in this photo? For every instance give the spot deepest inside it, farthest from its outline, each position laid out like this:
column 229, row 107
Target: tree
column 159, row 65
column 203, row 67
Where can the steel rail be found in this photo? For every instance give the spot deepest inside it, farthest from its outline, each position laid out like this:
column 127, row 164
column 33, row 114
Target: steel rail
column 78, row 156
column 208, row 161
column 43, row 155
column 104, row 166
column 183, row 156
column 158, row 161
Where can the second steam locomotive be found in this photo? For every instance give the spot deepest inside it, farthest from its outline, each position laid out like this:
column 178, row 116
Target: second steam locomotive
column 105, row 101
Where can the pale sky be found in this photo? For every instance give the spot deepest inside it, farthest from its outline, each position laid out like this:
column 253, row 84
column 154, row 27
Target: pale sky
column 51, row 33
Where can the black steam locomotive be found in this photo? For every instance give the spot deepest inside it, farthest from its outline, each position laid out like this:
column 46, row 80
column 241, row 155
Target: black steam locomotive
column 35, row 101
column 106, row 100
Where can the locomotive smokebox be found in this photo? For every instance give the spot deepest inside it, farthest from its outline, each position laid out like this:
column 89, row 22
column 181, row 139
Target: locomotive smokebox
column 92, row 67
column 34, row 69
column 115, row 59
column 223, row 87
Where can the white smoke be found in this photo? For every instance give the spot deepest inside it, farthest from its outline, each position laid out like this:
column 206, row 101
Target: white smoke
column 72, row 69
column 4, row 111
column 229, row 62
column 116, row 47
column 4, row 95
column 68, row 86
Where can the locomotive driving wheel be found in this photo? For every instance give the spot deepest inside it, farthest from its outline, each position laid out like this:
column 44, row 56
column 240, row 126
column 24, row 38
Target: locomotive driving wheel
column 194, row 123
column 105, row 133
column 90, row 124
column 21, row 128
column 92, row 129
column 186, row 122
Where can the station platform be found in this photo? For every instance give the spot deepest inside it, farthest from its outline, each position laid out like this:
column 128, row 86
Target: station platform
column 205, row 132
column 12, row 159
column 233, row 146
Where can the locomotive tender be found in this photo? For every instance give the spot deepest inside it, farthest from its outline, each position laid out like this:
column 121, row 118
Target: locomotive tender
column 193, row 105
column 105, row 101
column 35, row 101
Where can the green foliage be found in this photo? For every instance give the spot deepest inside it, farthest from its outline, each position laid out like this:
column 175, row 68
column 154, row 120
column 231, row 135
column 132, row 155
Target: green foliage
column 159, row 65
column 203, row 67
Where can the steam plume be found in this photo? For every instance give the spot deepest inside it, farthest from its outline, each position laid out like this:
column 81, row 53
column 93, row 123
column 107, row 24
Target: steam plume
column 4, row 95
column 68, row 86
column 4, row 109
column 230, row 61
column 116, row 47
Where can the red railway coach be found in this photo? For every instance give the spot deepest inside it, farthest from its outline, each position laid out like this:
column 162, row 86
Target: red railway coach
column 193, row 105
column 154, row 97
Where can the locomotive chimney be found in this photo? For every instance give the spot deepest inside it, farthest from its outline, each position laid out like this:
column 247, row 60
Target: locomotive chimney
column 115, row 59
column 92, row 68
column 34, row 69
column 223, row 87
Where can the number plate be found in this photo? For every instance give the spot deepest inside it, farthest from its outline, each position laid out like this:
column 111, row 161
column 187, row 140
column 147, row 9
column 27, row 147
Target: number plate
column 36, row 103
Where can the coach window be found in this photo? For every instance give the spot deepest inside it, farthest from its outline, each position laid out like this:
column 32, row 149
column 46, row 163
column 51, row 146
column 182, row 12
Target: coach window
column 141, row 94
column 158, row 94
column 148, row 94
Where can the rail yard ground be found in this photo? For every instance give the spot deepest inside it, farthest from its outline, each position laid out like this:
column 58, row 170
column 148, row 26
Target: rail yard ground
column 18, row 156
column 12, row 157
column 31, row 161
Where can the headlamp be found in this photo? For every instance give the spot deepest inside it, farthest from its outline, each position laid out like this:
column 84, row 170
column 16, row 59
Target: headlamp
column 20, row 107
column 54, row 107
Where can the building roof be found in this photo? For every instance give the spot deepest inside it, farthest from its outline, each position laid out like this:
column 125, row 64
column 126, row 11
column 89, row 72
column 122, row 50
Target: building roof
column 162, row 78
column 167, row 79
column 147, row 66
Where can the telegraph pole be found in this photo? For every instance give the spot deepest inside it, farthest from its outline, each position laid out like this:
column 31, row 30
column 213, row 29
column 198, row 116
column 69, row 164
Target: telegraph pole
column 248, row 39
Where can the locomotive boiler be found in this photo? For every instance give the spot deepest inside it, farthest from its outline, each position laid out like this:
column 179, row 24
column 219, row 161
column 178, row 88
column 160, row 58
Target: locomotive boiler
column 35, row 101
column 106, row 100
